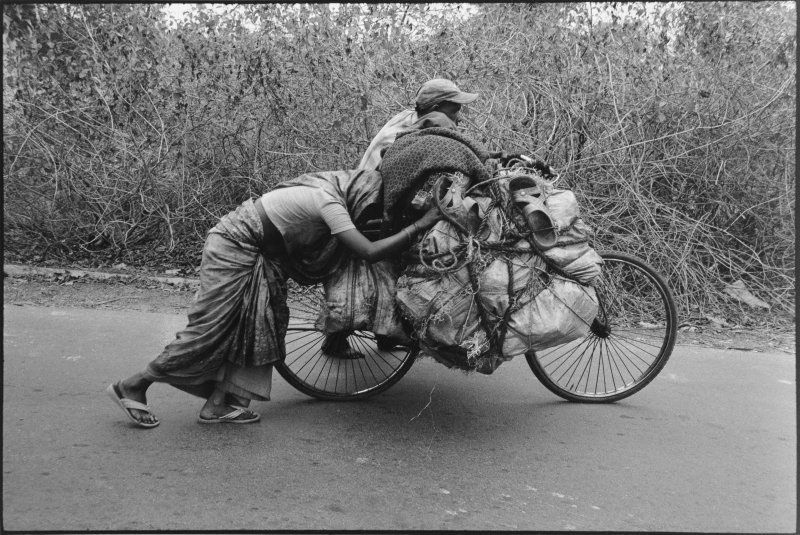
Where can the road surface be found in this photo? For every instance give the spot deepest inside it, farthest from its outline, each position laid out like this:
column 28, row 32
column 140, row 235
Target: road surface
column 710, row 445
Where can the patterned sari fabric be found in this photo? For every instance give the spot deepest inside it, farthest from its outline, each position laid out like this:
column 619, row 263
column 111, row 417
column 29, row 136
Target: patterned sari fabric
column 238, row 320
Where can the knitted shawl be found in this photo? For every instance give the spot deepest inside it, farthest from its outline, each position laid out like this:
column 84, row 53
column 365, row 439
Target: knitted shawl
column 415, row 155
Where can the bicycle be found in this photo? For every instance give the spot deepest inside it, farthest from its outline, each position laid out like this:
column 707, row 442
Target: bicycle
column 627, row 344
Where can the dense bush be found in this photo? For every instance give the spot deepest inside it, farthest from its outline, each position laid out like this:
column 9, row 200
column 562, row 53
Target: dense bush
column 674, row 123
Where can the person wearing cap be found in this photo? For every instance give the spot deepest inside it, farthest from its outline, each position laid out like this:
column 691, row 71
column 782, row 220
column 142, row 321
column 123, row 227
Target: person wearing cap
column 438, row 103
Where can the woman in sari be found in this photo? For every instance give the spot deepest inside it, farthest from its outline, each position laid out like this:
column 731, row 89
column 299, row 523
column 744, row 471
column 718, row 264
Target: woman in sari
column 238, row 320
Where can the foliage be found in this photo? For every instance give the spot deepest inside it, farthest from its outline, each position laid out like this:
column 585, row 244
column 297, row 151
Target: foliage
column 673, row 122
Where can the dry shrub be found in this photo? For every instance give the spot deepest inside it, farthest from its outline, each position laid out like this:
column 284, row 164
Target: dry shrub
column 674, row 123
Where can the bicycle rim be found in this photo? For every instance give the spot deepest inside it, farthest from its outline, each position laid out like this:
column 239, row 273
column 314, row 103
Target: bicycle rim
column 317, row 374
column 628, row 343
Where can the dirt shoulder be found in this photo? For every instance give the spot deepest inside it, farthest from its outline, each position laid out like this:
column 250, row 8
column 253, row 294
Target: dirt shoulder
column 172, row 294
column 140, row 293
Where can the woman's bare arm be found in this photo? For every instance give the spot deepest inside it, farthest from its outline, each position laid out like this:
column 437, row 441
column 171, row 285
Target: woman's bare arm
column 372, row 251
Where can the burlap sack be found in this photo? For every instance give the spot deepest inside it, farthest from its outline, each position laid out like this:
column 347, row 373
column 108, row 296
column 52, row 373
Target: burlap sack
column 559, row 314
column 361, row 296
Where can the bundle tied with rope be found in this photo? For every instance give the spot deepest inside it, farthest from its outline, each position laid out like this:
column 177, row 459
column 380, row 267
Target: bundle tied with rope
column 360, row 295
column 508, row 269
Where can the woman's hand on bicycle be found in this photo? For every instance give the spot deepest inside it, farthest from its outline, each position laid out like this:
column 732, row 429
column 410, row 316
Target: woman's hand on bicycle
column 429, row 219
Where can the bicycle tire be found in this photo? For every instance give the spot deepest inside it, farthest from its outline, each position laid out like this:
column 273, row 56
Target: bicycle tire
column 636, row 323
column 311, row 371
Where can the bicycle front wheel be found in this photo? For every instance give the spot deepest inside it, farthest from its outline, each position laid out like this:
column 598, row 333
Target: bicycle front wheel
column 365, row 370
column 628, row 343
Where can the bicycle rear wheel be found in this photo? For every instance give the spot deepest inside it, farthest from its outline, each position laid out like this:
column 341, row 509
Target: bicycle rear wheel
column 318, row 374
column 628, row 343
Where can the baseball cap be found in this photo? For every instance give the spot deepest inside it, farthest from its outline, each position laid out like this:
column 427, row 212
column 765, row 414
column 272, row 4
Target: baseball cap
column 441, row 90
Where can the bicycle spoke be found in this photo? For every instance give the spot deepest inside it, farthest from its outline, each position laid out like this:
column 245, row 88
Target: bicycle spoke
column 308, row 346
column 576, row 365
column 603, row 368
column 631, row 349
column 621, row 357
column 329, row 362
column 573, row 361
column 621, row 333
column 586, row 371
column 619, row 372
column 569, row 351
column 363, row 347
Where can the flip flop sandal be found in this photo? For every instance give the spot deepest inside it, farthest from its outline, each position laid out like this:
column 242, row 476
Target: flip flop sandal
column 128, row 404
column 461, row 210
column 474, row 213
column 528, row 199
column 233, row 417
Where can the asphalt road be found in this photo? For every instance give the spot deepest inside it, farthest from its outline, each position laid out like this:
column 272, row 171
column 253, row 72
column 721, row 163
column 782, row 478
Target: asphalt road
column 710, row 445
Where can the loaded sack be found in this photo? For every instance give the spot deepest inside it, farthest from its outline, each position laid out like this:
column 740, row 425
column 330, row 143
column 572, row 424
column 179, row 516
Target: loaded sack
column 361, row 297
column 509, row 269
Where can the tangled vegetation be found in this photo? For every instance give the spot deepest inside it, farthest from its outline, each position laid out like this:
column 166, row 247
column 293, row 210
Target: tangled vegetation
column 126, row 134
